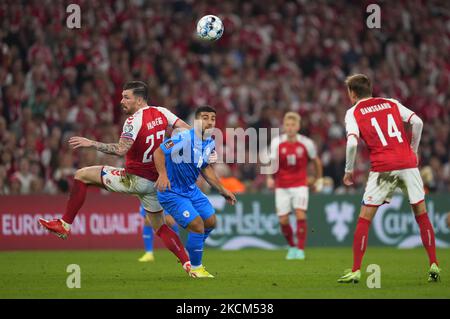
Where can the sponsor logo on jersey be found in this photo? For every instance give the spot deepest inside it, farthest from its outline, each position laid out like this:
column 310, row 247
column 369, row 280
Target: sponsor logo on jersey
column 169, row 144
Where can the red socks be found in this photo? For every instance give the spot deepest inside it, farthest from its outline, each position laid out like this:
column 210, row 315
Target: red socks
column 301, row 233
column 360, row 242
column 76, row 200
column 173, row 243
column 362, row 232
column 427, row 235
column 288, row 234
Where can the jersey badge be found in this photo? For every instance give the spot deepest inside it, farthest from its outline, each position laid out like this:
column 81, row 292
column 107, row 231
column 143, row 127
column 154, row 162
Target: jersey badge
column 169, row 144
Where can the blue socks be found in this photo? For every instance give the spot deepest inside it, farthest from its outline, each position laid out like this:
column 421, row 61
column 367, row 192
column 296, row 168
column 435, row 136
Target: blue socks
column 147, row 234
column 194, row 246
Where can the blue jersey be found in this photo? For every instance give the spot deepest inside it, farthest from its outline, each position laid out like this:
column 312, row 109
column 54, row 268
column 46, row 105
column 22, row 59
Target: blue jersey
column 186, row 155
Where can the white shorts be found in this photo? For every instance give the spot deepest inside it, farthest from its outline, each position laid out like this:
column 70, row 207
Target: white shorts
column 381, row 186
column 117, row 180
column 289, row 199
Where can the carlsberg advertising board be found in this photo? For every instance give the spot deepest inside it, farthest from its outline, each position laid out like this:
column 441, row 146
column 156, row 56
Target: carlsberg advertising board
column 252, row 222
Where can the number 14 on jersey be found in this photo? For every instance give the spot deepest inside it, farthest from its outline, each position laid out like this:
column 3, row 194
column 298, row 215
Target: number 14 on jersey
column 392, row 129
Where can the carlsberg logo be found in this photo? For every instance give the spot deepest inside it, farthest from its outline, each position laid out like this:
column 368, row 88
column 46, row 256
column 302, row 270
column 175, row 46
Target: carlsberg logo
column 239, row 230
column 399, row 228
column 252, row 222
column 391, row 226
column 340, row 215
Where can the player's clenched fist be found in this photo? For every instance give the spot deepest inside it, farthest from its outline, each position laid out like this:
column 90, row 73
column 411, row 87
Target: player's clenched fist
column 77, row 141
column 348, row 179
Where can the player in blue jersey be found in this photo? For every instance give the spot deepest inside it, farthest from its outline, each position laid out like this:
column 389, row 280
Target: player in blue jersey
column 148, row 235
column 179, row 161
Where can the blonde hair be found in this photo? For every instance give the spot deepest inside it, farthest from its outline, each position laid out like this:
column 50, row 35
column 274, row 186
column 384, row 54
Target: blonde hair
column 292, row 116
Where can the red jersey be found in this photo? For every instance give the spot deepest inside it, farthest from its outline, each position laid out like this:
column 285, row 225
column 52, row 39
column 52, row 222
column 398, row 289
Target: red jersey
column 293, row 160
column 146, row 128
column 379, row 122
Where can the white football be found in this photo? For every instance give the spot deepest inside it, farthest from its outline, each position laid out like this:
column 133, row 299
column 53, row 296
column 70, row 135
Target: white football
column 210, row 28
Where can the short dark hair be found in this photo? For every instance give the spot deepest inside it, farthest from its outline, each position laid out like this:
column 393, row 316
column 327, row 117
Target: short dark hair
column 205, row 108
column 360, row 84
column 139, row 88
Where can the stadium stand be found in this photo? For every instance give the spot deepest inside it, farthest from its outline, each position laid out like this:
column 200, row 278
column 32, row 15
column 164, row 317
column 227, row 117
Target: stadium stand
column 283, row 55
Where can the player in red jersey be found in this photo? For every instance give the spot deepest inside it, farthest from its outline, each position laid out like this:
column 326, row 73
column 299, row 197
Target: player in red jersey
column 379, row 123
column 142, row 133
column 293, row 152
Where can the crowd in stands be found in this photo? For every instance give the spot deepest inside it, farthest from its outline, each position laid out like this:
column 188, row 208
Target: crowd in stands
column 275, row 56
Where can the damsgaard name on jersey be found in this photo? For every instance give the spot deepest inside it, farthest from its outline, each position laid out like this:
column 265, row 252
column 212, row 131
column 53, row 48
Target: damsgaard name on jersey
column 375, row 108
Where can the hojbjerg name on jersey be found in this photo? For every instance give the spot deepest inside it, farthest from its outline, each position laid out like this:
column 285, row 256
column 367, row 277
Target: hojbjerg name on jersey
column 375, row 108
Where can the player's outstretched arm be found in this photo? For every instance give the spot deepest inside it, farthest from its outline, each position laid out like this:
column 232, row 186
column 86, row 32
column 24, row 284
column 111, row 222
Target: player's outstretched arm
column 119, row 149
column 163, row 182
column 210, row 176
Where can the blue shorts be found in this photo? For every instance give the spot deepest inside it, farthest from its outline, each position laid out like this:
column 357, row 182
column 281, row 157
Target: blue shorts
column 185, row 208
column 143, row 212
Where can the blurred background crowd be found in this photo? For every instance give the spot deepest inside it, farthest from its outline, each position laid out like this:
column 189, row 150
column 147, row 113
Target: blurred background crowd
column 274, row 56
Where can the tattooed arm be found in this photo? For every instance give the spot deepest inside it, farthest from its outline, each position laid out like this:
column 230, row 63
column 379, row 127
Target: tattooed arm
column 119, row 149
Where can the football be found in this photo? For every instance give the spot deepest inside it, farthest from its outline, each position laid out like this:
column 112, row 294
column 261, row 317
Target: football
column 210, row 28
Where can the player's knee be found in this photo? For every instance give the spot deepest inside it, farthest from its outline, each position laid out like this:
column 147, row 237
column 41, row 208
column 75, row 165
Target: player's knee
column 368, row 212
column 156, row 219
column 419, row 208
column 284, row 220
column 147, row 220
column 197, row 226
column 170, row 221
column 81, row 175
column 300, row 214
column 210, row 222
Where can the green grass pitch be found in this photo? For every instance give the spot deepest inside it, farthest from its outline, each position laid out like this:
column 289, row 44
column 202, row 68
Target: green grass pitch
column 248, row 273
